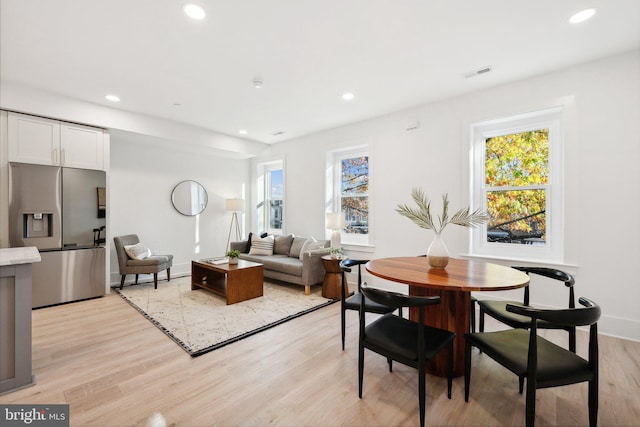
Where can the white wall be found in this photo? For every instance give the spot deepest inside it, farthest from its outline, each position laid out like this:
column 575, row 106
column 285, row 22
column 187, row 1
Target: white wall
column 143, row 174
column 602, row 195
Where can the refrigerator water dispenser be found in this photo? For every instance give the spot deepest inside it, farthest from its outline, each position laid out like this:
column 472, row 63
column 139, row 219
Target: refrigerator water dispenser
column 37, row 225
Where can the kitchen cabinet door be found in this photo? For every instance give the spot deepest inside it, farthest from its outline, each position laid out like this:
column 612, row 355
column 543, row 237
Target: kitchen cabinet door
column 33, row 139
column 81, row 146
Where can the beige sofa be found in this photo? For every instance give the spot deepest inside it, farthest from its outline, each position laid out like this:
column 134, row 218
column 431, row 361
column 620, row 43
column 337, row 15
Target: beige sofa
column 290, row 262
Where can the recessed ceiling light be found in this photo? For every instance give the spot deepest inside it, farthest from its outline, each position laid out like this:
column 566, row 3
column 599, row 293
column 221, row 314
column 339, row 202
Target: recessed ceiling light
column 112, row 98
column 243, row 132
column 194, row 11
column 348, row 96
column 582, row 16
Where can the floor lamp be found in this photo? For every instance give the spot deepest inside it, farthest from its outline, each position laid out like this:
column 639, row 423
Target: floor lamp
column 235, row 206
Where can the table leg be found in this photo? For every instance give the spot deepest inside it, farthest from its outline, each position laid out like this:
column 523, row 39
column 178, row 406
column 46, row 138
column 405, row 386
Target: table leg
column 452, row 314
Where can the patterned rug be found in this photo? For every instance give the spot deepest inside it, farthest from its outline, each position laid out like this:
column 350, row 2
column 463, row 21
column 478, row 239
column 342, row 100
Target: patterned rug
column 200, row 321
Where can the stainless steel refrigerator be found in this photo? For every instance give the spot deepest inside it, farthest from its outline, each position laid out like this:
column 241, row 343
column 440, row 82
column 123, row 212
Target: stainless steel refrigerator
column 61, row 211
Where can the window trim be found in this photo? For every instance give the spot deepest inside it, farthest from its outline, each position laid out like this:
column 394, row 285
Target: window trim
column 553, row 250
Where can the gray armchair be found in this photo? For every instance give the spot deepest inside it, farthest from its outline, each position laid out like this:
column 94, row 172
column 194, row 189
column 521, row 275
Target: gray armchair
column 149, row 265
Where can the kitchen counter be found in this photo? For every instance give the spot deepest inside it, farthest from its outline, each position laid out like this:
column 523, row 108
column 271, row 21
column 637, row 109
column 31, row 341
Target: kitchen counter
column 15, row 317
column 14, row 256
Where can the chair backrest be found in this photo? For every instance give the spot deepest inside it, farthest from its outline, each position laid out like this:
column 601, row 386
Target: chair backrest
column 120, row 242
column 346, row 265
column 397, row 300
column 589, row 315
column 550, row 273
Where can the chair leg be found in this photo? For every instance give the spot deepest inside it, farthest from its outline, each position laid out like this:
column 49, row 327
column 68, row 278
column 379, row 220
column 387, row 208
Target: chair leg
column 521, row 384
column 155, row 280
column 136, row 279
column 530, row 415
column 360, row 369
column 473, row 316
column 122, row 281
column 467, row 369
column 481, row 328
column 343, row 327
column 572, row 339
column 169, row 274
column 422, row 391
column 390, row 363
column 593, row 403
column 449, row 368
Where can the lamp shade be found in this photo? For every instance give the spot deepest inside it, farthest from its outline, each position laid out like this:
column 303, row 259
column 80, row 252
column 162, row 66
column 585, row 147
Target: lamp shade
column 234, row 205
column 334, row 220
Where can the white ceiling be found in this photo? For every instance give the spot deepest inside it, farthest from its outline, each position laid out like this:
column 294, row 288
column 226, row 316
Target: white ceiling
column 392, row 54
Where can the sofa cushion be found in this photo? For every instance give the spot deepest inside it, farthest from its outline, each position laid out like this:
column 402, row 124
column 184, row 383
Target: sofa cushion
column 296, row 246
column 261, row 246
column 310, row 245
column 282, row 245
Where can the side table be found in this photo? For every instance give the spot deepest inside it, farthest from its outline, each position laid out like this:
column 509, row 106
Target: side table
column 332, row 278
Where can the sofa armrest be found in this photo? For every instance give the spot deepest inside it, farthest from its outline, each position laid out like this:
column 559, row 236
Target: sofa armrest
column 239, row 246
column 312, row 268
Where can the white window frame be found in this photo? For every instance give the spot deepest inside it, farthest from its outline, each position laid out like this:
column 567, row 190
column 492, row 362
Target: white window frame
column 553, row 250
column 263, row 183
column 334, row 168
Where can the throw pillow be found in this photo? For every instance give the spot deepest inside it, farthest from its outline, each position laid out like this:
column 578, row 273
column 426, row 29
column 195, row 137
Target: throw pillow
column 296, row 246
column 261, row 246
column 310, row 245
column 282, row 245
column 137, row 251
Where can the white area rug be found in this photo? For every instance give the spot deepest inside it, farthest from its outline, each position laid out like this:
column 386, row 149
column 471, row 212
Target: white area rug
column 200, row 321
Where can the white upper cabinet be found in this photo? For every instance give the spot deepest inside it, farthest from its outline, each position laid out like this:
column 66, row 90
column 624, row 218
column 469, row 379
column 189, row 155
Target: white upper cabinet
column 81, row 146
column 33, row 139
column 51, row 142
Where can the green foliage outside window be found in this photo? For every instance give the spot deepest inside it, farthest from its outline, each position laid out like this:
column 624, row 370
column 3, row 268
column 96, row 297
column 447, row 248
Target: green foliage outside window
column 516, row 175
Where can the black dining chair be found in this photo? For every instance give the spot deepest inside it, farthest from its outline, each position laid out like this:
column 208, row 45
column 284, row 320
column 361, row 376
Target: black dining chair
column 498, row 309
column 352, row 302
column 403, row 340
column 542, row 363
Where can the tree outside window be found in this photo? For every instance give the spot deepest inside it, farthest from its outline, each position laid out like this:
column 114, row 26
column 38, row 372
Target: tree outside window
column 516, row 179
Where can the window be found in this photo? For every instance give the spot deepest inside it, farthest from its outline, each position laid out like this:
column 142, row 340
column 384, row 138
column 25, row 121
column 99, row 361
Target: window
column 270, row 207
column 350, row 185
column 517, row 179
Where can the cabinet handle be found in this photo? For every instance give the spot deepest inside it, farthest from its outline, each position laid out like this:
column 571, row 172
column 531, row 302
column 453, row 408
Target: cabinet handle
column 55, row 156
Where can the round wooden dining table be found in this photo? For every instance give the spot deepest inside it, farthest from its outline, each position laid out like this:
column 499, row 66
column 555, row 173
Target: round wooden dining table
column 453, row 285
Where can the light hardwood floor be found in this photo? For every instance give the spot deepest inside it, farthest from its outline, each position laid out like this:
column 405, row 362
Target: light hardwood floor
column 114, row 368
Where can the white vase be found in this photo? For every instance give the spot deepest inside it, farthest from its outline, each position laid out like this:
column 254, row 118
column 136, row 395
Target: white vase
column 438, row 254
column 233, row 260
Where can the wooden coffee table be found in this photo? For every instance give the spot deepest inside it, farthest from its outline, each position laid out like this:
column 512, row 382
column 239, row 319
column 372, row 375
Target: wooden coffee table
column 236, row 282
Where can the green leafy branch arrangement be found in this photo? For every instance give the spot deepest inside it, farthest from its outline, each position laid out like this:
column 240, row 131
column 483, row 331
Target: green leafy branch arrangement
column 422, row 215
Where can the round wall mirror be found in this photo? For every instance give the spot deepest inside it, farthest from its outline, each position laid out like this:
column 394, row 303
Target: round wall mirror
column 189, row 198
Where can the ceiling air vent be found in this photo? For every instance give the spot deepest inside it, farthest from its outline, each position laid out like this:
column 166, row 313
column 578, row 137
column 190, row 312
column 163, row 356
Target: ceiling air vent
column 278, row 133
column 477, row 72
